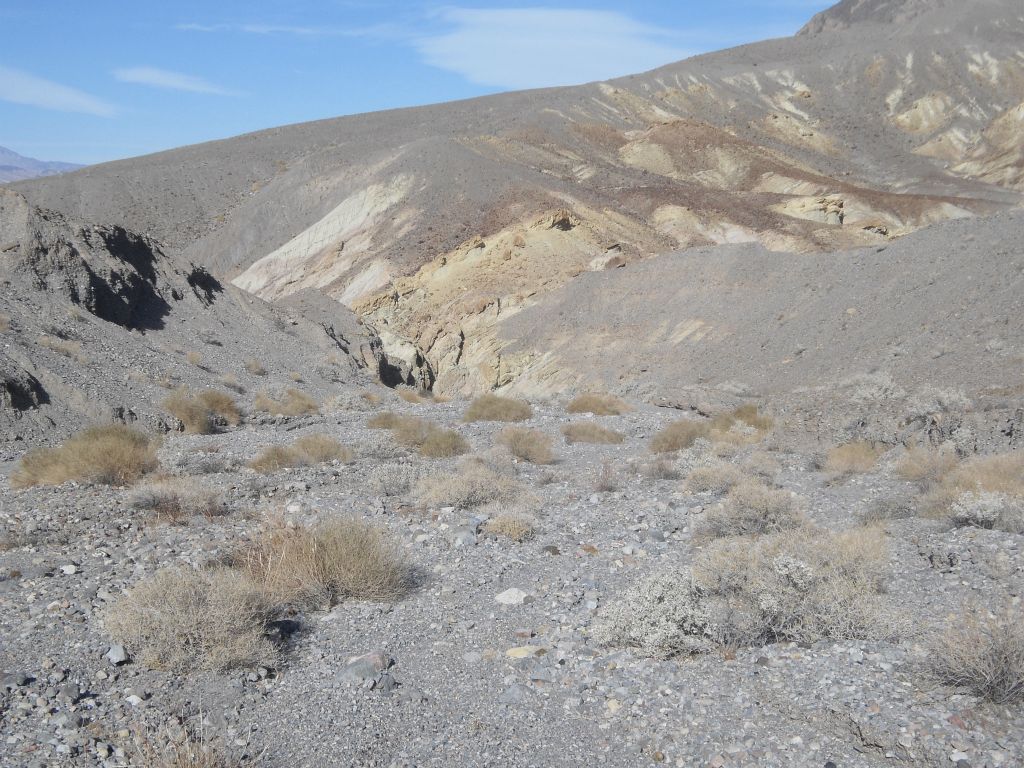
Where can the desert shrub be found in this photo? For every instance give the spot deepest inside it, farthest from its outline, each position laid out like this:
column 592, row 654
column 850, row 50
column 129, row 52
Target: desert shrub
column 659, row 469
column 165, row 748
column 230, row 381
column 713, row 478
column 496, row 408
column 899, row 507
column 306, row 451
column 607, row 479
column 803, row 586
column 852, row 458
column 984, row 655
column 414, row 396
column 194, row 358
column 427, row 437
column 750, row 414
column 370, row 397
column 588, row 432
column 752, row 508
column 393, row 479
column 931, row 400
column 176, row 499
column 114, row 455
column 295, row 376
column 926, row 466
column 996, row 474
column 597, row 404
column 5, row 323
column 530, row 445
column 181, row 619
column 679, row 435
column 471, row 485
column 512, row 526
column 200, row 413
column 763, row 464
column 319, row 566
column 64, row 347
column 295, row 402
column 990, row 510
column 255, row 367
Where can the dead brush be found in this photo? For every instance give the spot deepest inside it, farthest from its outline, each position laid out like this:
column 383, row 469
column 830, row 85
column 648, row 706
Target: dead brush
column 201, row 413
column 983, row 654
column 316, row 567
column 497, row 408
column 607, row 479
column 853, row 458
column 157, row 748
column 66, row 347
column 471, row 485
column 431, row 440
column 679, row 435
column 752, row 508
column 255, row 367
column 182, row 619
column 530, row 445
column 112, row 455
column 513, row 526
column 177, row 499
column 306, row 451
column 713, row 478
column 588, row 432
column 294, row 402
column 1001, row 474
column 926, row 466
column 597, row 404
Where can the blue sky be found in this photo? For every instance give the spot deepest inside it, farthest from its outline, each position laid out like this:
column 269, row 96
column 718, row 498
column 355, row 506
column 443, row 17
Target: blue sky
column 92, row 81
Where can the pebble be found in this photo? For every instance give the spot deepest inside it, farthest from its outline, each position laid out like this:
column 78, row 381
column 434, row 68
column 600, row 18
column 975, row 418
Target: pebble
column 513, row 596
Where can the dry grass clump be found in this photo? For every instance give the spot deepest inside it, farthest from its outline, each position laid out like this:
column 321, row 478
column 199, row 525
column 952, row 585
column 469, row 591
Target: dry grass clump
column 425, row 436
column 162, row 749
column 114, row 454
column 926, row 466
column 588, row 432
column 744, row 425
column 64, row 347
column 181, row 619
column 306, row 451
column 5, row 323
column 763, row 464
column 512, row 526
column 853, row 458
column 471, row 485
column 371, row 397
column 295, row 402
column 319, row 566
column 660, row 469
column 607, row 479
column 752, row 508
column 230, row 381
column 496, row 408
column 597, row 404
column 412, row 395
column 201, row 413
column 530, row 445
column 713, row 478
column 679, row 435
column 801, row 586
column 255, row 367
column 984, row 655
column 985, row 491
column 194, row 358
column 176, row 499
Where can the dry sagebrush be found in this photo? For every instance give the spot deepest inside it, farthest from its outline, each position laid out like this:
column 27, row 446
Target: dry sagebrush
column 428, row 438
column 176, row 499
column 306, row 451
column 294, row 402
column 597, row 404
column 472, row 484
column 202, row 412
column 752, row 508
column 497, row 408
column 984, row 655
column 588, row 432
column 113, row 455
column 530, row 445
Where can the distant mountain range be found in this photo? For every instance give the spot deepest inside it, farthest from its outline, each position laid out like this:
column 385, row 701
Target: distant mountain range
column 15, row 167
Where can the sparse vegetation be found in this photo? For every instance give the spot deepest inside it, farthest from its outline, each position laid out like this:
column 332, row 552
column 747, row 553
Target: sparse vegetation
column 295, row 402
column 659, row 469
column 607, row 479
column 201, row 413
column 985, row 491
column 588, row 432
column 296, row 377
column 926, row 466
column 853, row 458
column 182, row 619
column 496, row 408
column 176, row 499
column 414, row 396
column 5, row 323
column 65, row 347
column 713, row 478
column 425, row 436
column 752, row 508
column 597, row 404
column 471, row 485
column 230, row 381
column 114, row 455
column 512, row 526
column 255, row 367
column 530, row 445
column 316, row 567
column 679, row 435
column 984, row 655
column 802, row 585
column 306, row 451
column 194, row 358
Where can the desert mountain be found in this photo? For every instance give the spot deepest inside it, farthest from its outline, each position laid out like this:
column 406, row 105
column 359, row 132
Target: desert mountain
column 15, row 167
column 436, row 224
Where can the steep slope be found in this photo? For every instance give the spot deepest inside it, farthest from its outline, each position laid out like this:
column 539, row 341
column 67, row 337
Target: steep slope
column 98, row 323
column 880, row 118
column 15, row 167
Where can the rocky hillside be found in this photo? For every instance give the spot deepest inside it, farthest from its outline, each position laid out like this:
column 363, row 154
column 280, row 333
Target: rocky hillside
column 880, row 118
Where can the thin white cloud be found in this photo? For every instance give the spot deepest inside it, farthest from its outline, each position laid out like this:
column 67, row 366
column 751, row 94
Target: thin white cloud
column 381, row 31
column 162, row 78
column 539, row 47
column 24, row 88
